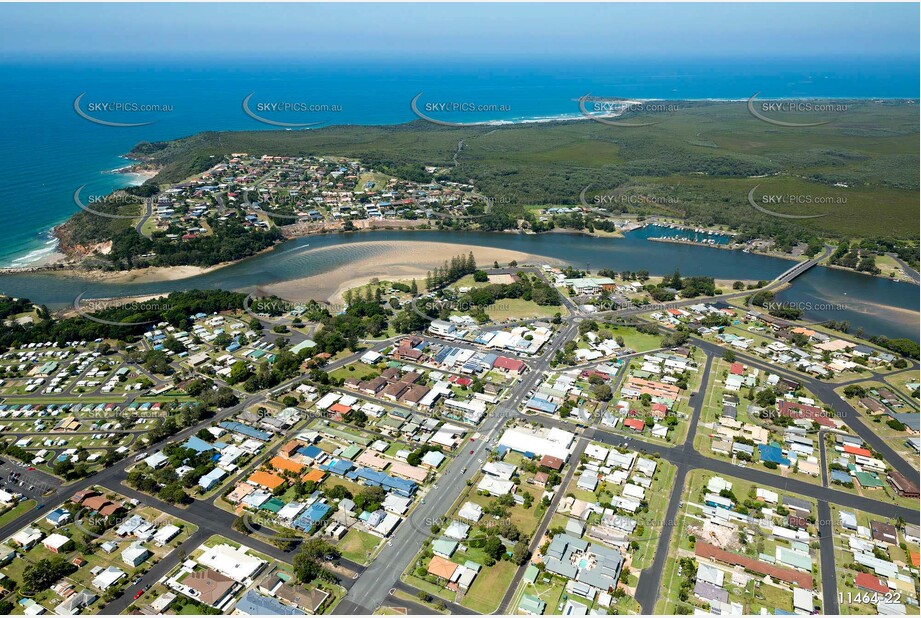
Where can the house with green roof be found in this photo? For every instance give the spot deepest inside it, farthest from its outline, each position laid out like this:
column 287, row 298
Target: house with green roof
column 530, row 573
column 272, row 504
column 869, row 481
column 530, row 604
column 444, row 547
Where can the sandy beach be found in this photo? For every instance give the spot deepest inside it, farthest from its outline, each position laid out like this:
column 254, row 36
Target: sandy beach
column 151, row 274
column 395, row 264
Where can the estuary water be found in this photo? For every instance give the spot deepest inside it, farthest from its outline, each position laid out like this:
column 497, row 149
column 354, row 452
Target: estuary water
column 879, row 306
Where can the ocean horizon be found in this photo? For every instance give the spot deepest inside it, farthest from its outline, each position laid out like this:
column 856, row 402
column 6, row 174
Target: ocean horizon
column 52, row 150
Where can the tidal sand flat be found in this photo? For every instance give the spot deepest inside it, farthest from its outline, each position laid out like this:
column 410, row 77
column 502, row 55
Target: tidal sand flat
column 392, row 261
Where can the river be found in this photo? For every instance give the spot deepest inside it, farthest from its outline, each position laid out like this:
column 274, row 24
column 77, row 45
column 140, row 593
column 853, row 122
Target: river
column 877, row 305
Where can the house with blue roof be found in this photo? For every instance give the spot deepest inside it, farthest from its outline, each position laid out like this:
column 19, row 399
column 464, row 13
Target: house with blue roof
column 211, row 479
column 58, row 517
column 313, row 515
column 542, row 405
column 198, row 445
column 310, row 451
column 773, row 453
column 254, row 604
column 246, row 430
column 339, row 466
column 840, row 476
column 374, row 478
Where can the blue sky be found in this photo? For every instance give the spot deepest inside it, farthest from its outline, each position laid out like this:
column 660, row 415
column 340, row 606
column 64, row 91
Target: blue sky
column 436, row 30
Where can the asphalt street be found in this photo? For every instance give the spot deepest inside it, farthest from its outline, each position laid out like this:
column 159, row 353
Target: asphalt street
column 375, row 584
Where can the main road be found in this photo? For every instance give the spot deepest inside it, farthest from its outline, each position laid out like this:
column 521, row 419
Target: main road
column 372, row 588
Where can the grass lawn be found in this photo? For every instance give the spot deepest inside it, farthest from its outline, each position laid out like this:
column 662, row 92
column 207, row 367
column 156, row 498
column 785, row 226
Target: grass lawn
column 408, row 597
column 517, row 308
column 355, row 370
column 640, row 342
column 358, row 546
column 489, row 587
column 16, row 511
column 550, row 592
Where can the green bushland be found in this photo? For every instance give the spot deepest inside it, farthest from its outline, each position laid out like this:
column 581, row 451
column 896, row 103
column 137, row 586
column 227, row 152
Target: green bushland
column 698, row 164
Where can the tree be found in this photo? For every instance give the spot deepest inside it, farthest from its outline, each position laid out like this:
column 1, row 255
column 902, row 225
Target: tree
column 308, row 563
column 602, row 392
column 520, row 553
column 494, row 548
column 729, row 356
column 480, row 276
column 766, row 398
column 414, row 288
column 41, row 575
column 173, row 493
column 239, row 524
column 675, row 280
column 239, row 372
column 855, row 390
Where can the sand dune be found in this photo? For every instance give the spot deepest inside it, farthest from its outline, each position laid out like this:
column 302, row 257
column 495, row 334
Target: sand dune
column 397, row 262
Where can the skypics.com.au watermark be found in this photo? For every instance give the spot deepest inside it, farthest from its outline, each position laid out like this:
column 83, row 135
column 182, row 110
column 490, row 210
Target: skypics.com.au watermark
column 488, row 204
column 264, row 525
column 607, row 110
column 423, row 306
column 806, row 306
column 94, row 202
column 760, row 109
column 425, row 109
column 774, row 414
column 96, row 111
column 263, row 110
column 796, row 311
column 274, row 310
column 766, row 203
column 602, row 200
column 86, row 307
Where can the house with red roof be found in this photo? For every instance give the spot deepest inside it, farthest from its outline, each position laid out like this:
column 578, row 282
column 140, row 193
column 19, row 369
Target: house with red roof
column 549, row 461
column 853, row 450
column 511, row 365
column 797, row 410
column 871, row 583
column 635, row 424
column 659, row 410
column 736, row 369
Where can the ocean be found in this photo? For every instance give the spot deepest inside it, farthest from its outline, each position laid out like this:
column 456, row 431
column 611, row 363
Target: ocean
column 49, row 150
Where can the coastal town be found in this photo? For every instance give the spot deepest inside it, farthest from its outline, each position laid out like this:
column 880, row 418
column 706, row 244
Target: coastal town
column 244, row 204
column 523, row 439
column 465, row 308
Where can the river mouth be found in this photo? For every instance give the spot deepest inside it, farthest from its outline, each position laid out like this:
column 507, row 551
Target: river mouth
column 877, row 305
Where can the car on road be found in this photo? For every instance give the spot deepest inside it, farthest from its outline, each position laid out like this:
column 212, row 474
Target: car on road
column 139, row 594
column 471, row 452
